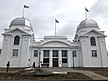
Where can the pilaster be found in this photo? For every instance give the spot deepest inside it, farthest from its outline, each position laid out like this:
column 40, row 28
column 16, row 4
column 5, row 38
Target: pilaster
column 60, row 58
column 50, row 59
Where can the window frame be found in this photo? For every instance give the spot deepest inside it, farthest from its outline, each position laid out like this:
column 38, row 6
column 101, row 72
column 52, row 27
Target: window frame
column 94, row 53
column 16, row 40
column 46, row 53
column 55, row 53
column 64, row 53
column 15, row 52
column 64, row 60
column 93, row 41
column 74, row 53
column 35, row 53
column 46, row 60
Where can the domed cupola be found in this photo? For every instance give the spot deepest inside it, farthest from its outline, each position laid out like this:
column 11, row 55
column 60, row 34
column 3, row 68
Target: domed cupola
column 21, row 22
column 87, row 25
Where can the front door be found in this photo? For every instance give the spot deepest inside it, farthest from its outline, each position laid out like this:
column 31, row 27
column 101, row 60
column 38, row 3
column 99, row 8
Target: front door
column 55, row 62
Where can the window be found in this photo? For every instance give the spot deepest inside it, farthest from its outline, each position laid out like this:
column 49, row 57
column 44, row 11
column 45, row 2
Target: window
column 35, row 53
column 0, row 51
column 16, row 40
column 74, row 53
column 64, row 53
column 94, row 53
column 46, row 53
column 55, row 53
column 78, row 40
column 45, row 60
column 64, row 60
column 15, row 52
column 93, row 42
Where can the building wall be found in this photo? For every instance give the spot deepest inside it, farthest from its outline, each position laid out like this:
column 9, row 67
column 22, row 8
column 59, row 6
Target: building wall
column 103, row 51
column 84, row 49
column 34, row 59
column 25, row 62
column 26, row 53
column 26, row 48
column 7, row 50
column 88, row 60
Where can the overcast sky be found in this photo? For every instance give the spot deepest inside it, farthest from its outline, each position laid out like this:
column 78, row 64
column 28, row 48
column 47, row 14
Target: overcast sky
column 42, row 14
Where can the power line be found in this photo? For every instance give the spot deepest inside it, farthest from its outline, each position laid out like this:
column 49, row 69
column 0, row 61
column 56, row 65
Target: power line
column 40, row 20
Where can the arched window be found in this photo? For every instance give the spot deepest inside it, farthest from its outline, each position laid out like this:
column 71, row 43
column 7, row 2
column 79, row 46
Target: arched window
column 93, row 41
column 16, row 40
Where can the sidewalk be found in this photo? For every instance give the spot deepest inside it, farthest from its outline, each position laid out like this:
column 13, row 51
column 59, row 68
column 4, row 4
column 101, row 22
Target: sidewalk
column 87, row 73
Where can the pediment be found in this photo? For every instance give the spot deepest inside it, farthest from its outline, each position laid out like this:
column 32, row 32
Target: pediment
column 15, row 30
column 94, row 32
column 55, row 44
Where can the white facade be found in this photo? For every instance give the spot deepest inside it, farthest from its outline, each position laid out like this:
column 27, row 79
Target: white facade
column 20, row 48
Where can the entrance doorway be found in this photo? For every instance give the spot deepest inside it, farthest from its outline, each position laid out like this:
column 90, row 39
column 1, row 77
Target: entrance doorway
column 55, row 62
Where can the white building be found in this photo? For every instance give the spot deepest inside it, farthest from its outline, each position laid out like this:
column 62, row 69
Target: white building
column 87, row 50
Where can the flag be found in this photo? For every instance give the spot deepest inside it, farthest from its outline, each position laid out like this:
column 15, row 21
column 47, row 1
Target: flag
column 86, row 9
column 25, row 6
column 56, row 21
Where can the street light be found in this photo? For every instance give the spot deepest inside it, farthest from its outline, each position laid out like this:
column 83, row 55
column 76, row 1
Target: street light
column 73, row 59
column 39, row 59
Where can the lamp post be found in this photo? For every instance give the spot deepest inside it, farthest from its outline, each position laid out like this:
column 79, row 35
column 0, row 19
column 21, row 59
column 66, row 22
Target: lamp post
column 39, row 59
column 73, row 59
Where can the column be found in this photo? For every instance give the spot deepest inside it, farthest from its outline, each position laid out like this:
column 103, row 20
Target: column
column 41, row 58
column 31, row 56
column 50, row 59
column 69, row 58
column 60, row 58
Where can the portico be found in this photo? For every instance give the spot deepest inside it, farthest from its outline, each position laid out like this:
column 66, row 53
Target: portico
column 54, row 58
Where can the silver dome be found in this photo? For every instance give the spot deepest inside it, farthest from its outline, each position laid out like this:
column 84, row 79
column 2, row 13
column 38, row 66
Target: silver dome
column 20, row 22
column 89, row 23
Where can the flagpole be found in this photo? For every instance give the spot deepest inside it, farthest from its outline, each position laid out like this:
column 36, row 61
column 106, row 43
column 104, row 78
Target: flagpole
column 25, row 6
column 86, row 10
column 23, row 12
column 85, row 15
column 55, row 27
column 56, row 21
